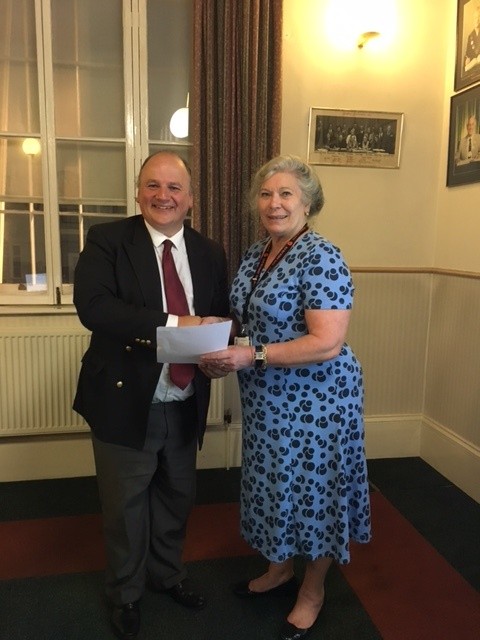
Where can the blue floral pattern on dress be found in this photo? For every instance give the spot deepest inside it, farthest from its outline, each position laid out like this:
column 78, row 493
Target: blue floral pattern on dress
column 304, row 487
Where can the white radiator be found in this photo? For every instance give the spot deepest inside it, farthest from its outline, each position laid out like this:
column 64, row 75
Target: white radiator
column 38, row 377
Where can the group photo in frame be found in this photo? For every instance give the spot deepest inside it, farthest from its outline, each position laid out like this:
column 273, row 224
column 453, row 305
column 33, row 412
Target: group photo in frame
column 348, row 138
column 464, row 139
column 467, row 60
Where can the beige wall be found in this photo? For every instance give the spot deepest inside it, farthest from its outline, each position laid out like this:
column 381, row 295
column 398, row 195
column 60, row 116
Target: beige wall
column 414, row 327
column 379, row 217
column 385, row 217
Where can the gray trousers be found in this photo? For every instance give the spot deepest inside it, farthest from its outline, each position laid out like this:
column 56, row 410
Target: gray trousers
column 146, row 498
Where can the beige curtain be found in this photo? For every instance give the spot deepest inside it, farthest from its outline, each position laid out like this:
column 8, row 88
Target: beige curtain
column 235, row 113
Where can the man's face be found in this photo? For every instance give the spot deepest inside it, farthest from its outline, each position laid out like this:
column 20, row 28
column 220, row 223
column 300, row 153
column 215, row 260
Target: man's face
column 164, row 193
column 471, row 124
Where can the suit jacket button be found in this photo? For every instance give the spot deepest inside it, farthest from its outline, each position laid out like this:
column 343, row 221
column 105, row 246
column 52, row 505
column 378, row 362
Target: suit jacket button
column 119, row 384
column 149, row 342
column 137, row 339
column 128, row 348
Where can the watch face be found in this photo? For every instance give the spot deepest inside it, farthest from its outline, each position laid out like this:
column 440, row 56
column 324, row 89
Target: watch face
column 260, row 358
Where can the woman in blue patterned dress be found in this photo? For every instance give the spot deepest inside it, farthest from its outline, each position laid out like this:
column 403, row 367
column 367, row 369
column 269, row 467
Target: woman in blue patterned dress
column 304, row 489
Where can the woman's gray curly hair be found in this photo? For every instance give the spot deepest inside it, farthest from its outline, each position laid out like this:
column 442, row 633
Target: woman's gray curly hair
column 308, row 181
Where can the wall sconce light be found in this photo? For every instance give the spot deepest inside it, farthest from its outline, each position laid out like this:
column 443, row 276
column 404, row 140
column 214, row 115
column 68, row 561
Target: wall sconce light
column 365, row 37
column 31, row 146
column 179, row 122
column 358, row 24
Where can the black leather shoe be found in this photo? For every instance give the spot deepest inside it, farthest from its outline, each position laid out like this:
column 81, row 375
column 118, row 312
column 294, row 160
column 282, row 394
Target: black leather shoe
column 126, row 621
column 291, row 632
column 184, row 596
column 288, row 588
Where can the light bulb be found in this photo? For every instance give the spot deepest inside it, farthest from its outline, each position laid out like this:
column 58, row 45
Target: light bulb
column 179, row 123
column 31, row 146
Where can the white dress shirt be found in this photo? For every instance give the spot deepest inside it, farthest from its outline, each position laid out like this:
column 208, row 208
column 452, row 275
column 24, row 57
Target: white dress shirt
column 166, row 391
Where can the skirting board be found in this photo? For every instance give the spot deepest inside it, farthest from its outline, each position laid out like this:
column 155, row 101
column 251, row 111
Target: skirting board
column 385, row 437
column 41, row 458
column 36, row 458
column 452, row 456
column 393, row 436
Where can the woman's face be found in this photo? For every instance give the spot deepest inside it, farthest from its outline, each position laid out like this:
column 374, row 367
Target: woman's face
column 280, row 205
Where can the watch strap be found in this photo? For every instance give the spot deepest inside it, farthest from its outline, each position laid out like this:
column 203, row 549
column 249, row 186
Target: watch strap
column 260, row 357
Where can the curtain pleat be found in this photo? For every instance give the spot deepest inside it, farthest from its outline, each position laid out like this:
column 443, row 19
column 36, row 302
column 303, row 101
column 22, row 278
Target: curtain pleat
column 235, row 113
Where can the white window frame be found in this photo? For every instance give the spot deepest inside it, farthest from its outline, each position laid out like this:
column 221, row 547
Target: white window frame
column 59, row 296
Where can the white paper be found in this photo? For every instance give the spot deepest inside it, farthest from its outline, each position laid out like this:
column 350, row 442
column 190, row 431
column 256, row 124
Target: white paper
column 187, row 344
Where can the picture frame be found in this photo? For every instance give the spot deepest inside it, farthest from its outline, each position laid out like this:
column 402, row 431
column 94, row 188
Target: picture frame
column 376, row 140
column 467, row 57
column 463, row 165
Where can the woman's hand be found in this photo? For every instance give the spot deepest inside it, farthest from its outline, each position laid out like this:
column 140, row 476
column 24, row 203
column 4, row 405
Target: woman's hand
column 218, row 364
column 213, row 319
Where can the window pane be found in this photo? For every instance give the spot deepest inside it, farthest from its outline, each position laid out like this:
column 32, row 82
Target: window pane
column 20, row 174
column 91, row 172
column 22, row 247
column 169, row 54
column 87, row 41
column 69, row 234
column 19, row 110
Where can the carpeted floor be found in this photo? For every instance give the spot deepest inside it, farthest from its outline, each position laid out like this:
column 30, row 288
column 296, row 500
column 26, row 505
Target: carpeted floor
column 66, row 607
column 415, row 581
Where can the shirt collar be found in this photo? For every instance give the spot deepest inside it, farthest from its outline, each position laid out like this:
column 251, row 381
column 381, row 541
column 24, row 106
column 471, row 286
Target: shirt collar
column 158, row 237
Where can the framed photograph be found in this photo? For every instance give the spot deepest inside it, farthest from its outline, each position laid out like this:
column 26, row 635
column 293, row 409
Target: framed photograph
column 464, row 138
column 354, row 138
column 467, row 61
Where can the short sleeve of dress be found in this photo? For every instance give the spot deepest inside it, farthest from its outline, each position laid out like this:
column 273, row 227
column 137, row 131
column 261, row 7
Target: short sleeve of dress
column 327, row 282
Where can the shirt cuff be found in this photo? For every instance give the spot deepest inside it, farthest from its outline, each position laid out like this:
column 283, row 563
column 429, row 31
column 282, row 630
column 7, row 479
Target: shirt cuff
column 172, row 321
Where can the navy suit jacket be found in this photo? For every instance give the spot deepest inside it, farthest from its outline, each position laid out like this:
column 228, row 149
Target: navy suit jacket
column 118, row 296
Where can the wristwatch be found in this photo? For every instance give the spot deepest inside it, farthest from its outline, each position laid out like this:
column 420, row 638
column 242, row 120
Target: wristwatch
column 260, row 357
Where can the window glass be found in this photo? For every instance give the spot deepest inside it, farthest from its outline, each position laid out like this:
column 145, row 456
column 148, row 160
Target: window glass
column 169, row 59
column 22, row 248
column 19, row 104
column 22, row 239
column 89, row 96
column 87, row 42
column 91, row 172
column 21, row 172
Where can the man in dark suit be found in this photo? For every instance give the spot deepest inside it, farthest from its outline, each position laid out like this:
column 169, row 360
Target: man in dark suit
column 145, row 428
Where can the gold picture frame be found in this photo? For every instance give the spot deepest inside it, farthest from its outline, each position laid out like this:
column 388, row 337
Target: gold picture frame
column 350, row 138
